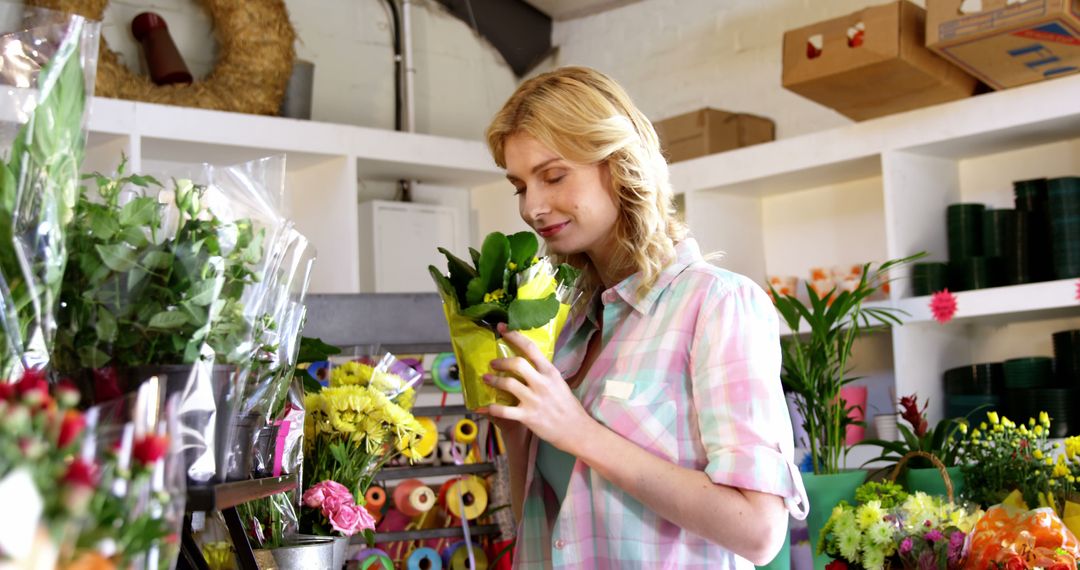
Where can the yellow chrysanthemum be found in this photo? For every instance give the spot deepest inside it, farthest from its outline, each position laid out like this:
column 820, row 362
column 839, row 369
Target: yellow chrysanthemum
column 407, row 399
column 1061, row 469
column 1038, row 430
column 494, row 296
column 982, row 426
column 351, row 374
column 963, row 427
column 1038, row 454
column 1044, row 419
column 868, row 514
column 993, row 417
column 1072, row 447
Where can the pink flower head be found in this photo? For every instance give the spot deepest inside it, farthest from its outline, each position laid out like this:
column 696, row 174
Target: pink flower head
column 351, row 519
column 317, row 494
column 906, row 545
column 943, row 306
column 934, row 535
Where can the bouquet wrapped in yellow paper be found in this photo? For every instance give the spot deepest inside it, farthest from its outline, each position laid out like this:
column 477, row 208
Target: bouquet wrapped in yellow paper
column 506, row 283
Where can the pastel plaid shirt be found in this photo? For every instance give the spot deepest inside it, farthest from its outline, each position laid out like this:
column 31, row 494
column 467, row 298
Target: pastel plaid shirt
column 701, row 353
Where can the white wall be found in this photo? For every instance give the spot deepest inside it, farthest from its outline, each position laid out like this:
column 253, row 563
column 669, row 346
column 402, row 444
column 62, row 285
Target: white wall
column 460, row 80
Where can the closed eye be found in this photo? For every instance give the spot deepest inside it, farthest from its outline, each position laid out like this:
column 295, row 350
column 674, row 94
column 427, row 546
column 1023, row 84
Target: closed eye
column 555, row 180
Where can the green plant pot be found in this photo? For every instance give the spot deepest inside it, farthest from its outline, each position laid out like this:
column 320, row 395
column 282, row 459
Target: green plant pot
column 783, row 558
column 929, row 481
column 825, row 492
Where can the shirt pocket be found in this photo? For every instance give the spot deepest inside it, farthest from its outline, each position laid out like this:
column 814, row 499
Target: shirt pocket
column 648, row 418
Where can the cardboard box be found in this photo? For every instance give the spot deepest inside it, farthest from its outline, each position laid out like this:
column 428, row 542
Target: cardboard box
column 1007, row 43
column 888, row 71
column 708, row 131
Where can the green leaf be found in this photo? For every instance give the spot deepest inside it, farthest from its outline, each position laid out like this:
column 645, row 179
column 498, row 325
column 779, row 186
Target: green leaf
column 311, row 386
column 139, row 212
column 102, row 225
column 460, row 273
column 446, row 288
column 523, row 248
column 168, row 320
column 135, row 236
column 92, row 357
column 118, row 257
column 204, row 292
column 474, row 293
column 253, row 253
column 105, row 325
column 475, row 255
column 567, row 274
column 488, row 312
column 157, row 259
column 528, row 314
column 494, row 255
column 315, row 350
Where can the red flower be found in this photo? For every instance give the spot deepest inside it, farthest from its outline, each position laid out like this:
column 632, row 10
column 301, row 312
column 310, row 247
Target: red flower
column 150, row 449
column 32, row 385
column 913, row 415
column 106, row 384
column 836, row 565
column 1015, row 562
column 943, row 306
column 70, row 427
column 6, row 390
column 81, row 473
column 67, row 393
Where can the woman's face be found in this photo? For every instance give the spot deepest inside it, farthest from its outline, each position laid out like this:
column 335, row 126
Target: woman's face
column 570, row 205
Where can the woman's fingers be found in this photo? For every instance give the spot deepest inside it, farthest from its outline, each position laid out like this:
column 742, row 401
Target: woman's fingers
column 524, row 346
column 517, row 366
column 508, row 384
column 513, row 413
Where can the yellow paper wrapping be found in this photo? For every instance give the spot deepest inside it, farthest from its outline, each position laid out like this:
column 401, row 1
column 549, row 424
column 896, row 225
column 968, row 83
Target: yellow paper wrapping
column 476, row 346
column 1072, row 517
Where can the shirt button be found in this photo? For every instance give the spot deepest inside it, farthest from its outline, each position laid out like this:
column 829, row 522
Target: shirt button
column 560, row 544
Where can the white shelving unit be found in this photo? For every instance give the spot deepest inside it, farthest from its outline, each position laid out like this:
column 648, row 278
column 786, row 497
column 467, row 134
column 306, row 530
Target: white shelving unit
column 324, row 161
column 878, row 190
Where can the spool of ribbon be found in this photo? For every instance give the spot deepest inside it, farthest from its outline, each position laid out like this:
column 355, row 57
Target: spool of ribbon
column 424, row 559
column 374, row 559
column 320, row 371
column 413, row 497
column 425, row 448
column 444, row 373
column 459, row 560
column 447, row 450
column 466, row 498
column 464, row 431
column 375, row 500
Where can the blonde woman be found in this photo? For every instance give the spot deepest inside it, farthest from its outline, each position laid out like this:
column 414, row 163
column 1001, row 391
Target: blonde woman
column 659, row 436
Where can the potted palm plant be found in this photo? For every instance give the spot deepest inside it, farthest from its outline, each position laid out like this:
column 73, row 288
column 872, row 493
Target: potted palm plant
column 816, row 367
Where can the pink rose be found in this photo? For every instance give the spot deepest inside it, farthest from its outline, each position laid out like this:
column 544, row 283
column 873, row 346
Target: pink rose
column 316, row 495
column 334, row 503
column 350, row 519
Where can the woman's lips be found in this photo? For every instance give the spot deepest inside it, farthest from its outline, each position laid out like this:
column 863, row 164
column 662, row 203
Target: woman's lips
column 549, row 231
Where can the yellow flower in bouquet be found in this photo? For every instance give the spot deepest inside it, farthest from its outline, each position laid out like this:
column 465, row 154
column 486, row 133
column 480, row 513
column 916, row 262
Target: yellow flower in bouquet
column 506, row 283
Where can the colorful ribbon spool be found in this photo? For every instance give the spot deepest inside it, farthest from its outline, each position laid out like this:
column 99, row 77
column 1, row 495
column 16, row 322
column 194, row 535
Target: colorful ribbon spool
column 425, row 448
column 424, row 559
column 459, row 560
column 444, row 373
column 413, row 498
column 375, row 500
column 466, row 497
column 320, row 372
column 374, row 559
column 447, row 451
column 465, row 431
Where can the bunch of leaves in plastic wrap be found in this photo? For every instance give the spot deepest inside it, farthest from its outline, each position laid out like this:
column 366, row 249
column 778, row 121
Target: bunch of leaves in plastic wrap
column 141, row 291
column 39, row 177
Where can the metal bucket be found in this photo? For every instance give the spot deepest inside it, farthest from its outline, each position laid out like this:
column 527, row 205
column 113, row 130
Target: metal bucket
column 306, row 552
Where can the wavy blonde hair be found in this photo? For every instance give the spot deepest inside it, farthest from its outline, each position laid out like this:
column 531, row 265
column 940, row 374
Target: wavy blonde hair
column 586, row 118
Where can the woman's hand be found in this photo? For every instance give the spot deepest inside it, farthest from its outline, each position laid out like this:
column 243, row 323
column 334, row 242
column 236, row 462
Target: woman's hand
column 546, row 406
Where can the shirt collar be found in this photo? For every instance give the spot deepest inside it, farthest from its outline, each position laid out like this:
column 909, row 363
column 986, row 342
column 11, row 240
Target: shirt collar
column 687, row 252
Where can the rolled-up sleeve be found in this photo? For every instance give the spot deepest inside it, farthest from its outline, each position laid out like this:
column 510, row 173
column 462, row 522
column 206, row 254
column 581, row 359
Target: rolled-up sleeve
column 735, row 379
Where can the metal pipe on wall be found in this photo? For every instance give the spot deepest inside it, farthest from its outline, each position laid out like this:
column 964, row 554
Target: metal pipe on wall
column 410, row 71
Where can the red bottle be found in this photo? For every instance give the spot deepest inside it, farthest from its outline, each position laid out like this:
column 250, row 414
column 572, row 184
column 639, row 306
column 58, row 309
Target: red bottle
column 163, row 60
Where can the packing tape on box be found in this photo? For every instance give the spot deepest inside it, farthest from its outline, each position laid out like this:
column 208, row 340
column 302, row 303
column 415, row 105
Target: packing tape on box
column 466, row 497
column 444, row 373
column 459, row 560
column 424, row 559
column 464, row 431
column 374, row 559
column 413, row 497
column 375, row 499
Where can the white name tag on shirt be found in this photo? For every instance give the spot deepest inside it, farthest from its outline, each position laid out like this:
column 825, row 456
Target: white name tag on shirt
column 618, row 390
